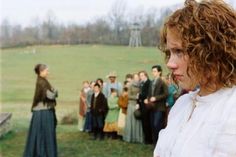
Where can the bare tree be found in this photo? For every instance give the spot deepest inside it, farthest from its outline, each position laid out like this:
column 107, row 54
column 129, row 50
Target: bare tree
column 5, row 33
column 117, row 18
column 111, row 29
column 49, row 27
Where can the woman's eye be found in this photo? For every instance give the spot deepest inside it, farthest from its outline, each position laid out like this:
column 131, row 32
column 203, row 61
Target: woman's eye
column 178, row 52
column 167, row 52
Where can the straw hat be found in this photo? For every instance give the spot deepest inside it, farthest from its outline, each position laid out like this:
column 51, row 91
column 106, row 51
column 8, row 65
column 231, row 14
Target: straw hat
column 112, row 74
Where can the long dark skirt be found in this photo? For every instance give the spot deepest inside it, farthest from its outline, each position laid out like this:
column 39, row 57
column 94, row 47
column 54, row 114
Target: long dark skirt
column 41, row 141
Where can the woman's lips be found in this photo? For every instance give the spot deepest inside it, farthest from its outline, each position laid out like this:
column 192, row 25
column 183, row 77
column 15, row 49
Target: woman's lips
column 178, row 77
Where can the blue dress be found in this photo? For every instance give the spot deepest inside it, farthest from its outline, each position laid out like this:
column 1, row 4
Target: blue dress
column 41, row 141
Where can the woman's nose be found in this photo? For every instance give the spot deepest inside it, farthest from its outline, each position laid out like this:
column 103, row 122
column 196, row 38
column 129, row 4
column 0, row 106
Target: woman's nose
column 171, row 63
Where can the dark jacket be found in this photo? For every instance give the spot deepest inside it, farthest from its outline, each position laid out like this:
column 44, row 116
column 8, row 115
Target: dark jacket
column 160, row 92
column 41, row 93
column 99, row 105
column 144, row 91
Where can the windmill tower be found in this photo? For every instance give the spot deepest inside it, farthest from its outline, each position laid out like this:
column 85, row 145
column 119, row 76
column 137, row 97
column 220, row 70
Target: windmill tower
column 135, row 36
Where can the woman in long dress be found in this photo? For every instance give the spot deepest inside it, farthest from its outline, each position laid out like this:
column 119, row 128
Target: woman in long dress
column 41, row 141
column 133, row 131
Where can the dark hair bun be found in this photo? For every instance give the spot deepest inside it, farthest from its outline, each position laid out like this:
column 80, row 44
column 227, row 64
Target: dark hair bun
column 36, row 69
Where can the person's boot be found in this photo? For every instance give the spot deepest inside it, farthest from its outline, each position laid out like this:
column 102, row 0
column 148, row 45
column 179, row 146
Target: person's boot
column 101, row 135
column 114, row 135
column 95, row 132
column 107, row 135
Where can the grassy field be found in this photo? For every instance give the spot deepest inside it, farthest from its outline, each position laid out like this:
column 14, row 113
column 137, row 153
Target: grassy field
column 69, row 66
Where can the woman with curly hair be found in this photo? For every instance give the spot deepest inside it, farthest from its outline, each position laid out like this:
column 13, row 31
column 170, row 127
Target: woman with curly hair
column 199, row 41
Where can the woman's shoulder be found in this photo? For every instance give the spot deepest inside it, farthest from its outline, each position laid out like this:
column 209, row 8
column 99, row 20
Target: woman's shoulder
column 229, row 93
column 227, row 103
column 225, row 132
column 42, row 81
column 182, row 102
column 184, row 99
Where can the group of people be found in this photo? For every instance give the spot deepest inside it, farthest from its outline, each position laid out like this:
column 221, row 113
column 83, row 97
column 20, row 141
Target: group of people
column 135, row 111
column 199, row 41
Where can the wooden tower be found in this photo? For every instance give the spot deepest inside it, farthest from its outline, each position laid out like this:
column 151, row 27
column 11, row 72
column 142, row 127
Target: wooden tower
column 135, row 36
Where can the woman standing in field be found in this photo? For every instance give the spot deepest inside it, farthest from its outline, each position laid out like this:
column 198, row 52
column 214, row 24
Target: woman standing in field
column 88, row 116
column 41, row 141
column 123, row 104
column 111, row 127
column 133, row 131
column 83, row 105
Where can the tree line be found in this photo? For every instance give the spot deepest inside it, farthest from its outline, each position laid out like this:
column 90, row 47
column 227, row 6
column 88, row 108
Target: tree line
column 112, row 29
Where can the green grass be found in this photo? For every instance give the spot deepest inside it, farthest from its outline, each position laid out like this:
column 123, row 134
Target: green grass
column 75, row 144
column 69, row 66
column 72, row 143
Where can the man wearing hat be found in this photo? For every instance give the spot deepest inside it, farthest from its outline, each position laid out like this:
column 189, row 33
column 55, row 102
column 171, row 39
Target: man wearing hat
column 112, row 83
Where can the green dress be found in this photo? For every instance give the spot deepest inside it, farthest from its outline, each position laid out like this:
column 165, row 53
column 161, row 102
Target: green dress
column 112, row 115
column 133, row 131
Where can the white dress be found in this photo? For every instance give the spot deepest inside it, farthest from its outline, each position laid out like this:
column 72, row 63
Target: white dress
column 209, row 132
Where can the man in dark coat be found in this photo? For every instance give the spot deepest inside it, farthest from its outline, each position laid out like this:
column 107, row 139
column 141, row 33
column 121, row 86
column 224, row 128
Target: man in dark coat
column 99, row 109
column 146, row 124
column 156, row 102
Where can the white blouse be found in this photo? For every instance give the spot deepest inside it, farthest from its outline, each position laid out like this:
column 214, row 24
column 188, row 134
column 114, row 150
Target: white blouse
column 210, row 131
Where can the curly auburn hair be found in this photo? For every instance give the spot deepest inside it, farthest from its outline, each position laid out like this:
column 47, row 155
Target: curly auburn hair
column 208, row 33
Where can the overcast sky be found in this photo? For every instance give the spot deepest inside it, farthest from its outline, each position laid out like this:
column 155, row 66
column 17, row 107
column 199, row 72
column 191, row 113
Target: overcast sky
column 69, row 11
